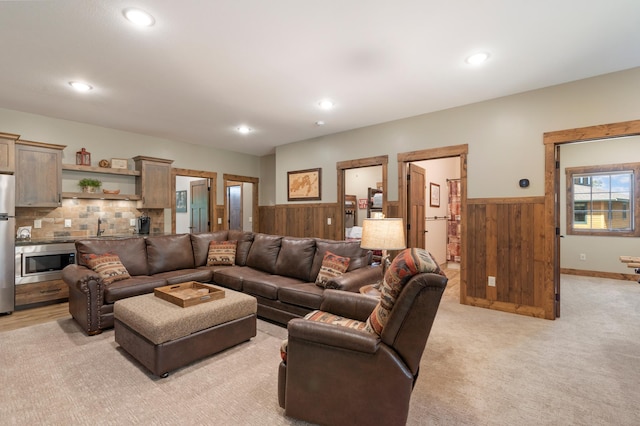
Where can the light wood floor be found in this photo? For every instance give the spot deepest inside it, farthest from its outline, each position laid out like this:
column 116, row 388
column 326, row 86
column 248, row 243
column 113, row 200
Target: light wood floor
column 53, row 312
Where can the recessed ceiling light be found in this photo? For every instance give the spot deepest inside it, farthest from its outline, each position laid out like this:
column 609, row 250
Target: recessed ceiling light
column 320, row 123
column 477, row 58
column 244, row 129
column 80, row 86
column 139, row 17
column 326, row 104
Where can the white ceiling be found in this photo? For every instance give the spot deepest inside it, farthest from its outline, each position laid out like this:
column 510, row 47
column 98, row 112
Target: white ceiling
column 207, row 67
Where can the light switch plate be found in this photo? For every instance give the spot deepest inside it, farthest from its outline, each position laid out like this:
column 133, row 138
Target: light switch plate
column 67, row 223
column 37, row 224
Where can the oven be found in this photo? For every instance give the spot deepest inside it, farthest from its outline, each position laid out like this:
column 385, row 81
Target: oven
column 42, row 262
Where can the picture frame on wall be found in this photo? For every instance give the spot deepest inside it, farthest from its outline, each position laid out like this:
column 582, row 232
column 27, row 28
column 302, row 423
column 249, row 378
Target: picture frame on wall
column 304, row 185
column 181, row 201
column 434, row 195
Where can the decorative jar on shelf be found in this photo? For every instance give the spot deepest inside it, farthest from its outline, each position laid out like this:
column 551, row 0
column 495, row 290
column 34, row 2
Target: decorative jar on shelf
column 83, row 157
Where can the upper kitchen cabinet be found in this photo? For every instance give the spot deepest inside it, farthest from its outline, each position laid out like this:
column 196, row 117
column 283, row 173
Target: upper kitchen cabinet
column 7, row 152
column 154, row 182
column 38, row 171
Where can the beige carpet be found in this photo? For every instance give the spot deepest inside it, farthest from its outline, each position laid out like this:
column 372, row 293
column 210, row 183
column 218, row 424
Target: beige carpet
column 481, row 367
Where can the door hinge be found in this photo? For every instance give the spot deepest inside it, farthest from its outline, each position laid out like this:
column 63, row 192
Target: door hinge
column 557, row 165
column 408, row 177
column 408, row 226
column 557, row 231
column 557, row 297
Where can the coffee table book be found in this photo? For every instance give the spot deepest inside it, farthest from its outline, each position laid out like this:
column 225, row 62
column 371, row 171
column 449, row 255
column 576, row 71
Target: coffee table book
column 190, row 293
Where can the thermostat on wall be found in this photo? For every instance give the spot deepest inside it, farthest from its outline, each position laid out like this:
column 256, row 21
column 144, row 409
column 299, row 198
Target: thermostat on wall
column 523, row 183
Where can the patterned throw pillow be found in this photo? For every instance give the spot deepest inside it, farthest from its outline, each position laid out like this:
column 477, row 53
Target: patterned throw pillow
column 332, row 266
column 222, row 253
column 108, row 266
column 407, row 263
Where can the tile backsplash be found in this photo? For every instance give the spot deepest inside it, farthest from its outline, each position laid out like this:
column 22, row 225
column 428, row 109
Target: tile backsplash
column 83, row 215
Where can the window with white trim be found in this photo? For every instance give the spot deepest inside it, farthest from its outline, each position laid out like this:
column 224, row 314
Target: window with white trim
column 603, row 200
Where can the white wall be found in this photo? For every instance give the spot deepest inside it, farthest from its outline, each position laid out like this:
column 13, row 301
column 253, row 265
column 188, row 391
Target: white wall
column 602, row 253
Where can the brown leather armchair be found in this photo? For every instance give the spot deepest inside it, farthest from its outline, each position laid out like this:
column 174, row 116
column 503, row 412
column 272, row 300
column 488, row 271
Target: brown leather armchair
column 336, row 375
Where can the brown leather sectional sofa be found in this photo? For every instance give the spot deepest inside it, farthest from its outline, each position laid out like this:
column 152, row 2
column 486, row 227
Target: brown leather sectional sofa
column 279, row 271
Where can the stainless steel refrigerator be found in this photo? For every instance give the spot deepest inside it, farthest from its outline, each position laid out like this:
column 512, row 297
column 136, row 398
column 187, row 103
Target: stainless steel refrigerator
column 7, row 242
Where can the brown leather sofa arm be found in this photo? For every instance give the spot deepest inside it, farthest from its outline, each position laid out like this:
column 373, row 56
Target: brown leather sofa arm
column 346, row 304
column 332, row 335
column 85, row 296
column 353, row 280
column 77, row 275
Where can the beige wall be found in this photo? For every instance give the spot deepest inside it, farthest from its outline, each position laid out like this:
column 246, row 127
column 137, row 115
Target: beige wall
column 107, row 143
column 504, row 136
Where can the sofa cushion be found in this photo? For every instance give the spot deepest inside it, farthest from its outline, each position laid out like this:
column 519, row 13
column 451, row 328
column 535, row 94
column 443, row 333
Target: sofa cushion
column 133, row 286
column 350, row 249
column 169, row 253
column 332, row 266
column 406, row 264
column 245, row 240
column 131, row 251
column 306, row 295
column 222, row 253
column 296, row 257
column 108, row 266
column 184, row 275
column 200, row 244
column 266, row 285
column 264, row 252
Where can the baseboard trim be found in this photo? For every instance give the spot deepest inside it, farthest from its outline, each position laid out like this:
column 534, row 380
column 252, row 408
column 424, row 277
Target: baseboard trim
column 600, row 274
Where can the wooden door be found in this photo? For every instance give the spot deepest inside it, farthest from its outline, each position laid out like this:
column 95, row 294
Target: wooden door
column 556, row 254
column 234, row 204
column 199, row 206
column 416, row 179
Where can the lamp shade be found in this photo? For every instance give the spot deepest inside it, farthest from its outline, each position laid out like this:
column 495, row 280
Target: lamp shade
column 383, row 234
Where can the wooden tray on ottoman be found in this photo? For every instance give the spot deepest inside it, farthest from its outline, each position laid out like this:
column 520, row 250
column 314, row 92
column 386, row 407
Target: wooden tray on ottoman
column 188, row 294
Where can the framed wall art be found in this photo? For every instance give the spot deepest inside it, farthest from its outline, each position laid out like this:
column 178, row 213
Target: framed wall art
column 181, row 201
column 304, row 185
column 434, row 195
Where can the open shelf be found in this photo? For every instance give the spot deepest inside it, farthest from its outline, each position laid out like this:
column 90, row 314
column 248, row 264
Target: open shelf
column 103, row 170
column 100, row 196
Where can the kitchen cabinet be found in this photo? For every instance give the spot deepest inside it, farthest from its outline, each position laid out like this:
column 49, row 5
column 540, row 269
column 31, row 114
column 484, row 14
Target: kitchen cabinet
column 38, row 171
column 7, row 152
column 45, row 291
column 154, row 183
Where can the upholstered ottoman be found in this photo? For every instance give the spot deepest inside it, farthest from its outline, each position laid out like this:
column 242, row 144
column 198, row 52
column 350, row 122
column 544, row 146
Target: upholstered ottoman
column 163, row 336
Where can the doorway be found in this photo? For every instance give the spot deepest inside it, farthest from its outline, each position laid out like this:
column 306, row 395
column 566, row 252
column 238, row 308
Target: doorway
column 427, row 196
column 241, row 203
column 552, row 142
column 181, row 222
column 342, row 167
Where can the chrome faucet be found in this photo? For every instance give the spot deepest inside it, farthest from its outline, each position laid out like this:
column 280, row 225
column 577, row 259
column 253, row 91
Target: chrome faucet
column 100, row 232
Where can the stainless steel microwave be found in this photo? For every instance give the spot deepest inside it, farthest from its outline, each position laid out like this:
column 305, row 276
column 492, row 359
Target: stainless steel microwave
column 42, row 262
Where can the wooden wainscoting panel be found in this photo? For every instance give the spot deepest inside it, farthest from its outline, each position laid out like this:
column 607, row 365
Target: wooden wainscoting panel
column 301, row 220
column 505, row 240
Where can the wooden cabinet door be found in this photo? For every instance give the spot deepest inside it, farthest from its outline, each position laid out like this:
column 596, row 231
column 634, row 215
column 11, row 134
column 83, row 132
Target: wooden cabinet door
column 154, row 183
column 7, row 152
column 38, row 175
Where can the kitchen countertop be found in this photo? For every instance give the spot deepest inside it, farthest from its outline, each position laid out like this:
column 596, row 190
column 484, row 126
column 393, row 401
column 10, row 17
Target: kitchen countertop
column 69, row 239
